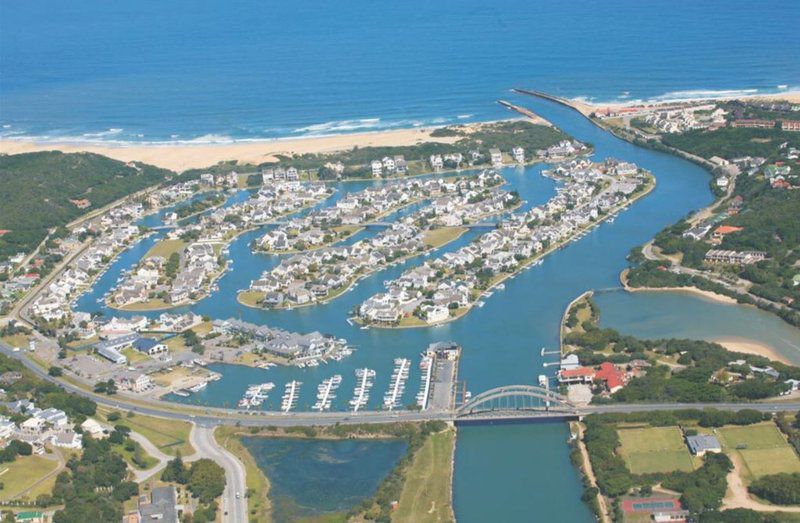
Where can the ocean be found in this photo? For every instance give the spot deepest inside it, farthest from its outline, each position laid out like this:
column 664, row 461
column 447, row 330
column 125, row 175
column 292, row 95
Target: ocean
column 213, row 71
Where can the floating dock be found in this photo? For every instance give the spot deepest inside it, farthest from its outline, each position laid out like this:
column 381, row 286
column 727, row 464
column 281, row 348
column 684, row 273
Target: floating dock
column 326, row 392
column 397, row 385
column 361, row 392
column 290, row 395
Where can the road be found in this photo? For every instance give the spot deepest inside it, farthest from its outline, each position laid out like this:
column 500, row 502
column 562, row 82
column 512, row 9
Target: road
column 234, row 502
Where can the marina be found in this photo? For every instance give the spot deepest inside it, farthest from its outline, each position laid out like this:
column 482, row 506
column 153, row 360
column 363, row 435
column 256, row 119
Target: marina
column 326, row 392
column 397, row 385
column 290, row 395
column 255, row 395
column 361, row 392
column 426, row 366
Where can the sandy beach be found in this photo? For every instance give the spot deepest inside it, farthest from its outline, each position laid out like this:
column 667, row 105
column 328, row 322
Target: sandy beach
column 179, row 157
column 587, row 107
column 749, row 346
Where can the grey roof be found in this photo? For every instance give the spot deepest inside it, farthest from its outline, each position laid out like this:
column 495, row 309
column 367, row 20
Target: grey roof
column 161, row 507
column 702, row 443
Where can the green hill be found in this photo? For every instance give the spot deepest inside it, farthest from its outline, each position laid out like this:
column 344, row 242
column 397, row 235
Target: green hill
column 42, row 190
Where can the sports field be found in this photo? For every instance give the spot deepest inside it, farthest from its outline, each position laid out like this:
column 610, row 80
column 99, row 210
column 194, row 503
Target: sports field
column 762, row 447
column 654, row 449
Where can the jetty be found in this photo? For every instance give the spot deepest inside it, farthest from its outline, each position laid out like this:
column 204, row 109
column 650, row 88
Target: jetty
column 524, row 111
column 426, row 365
column 361, row 392
column 397, row 385
column 290, row 395
column 326, row 392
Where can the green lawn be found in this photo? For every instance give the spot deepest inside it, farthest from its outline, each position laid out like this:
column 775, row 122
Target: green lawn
column 24, row 473
column 170, row 436
column 442, row 236
column 654, row 449
column 762, row 447
column 426, row 492
column 165, row 248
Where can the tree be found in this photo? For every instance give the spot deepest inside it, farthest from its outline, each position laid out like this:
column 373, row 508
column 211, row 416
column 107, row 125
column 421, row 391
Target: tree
column 175, row 471
column 55, row 371
column 206, row 480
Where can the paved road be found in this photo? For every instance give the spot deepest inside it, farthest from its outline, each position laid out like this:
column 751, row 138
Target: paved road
column 234, row 502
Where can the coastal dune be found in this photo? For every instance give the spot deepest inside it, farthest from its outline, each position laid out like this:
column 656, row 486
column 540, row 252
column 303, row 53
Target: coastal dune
column 183, row 156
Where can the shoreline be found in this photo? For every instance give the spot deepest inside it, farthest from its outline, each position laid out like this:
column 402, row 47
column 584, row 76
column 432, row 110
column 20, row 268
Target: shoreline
column 750, row 346
column 587, row 107
column 182, row 156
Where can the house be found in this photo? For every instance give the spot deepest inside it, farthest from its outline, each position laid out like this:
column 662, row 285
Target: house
column 613, row 378
column 134, row 381
column 68, row 439
column 377, row 168
column 496, row 156
column 702, row 443
column 94, row 429
column 435, row 313
column 149, row 346
column 724, row 230
column 790, row 125
column 734, row 257
column 578, row 375
column 161, row 506
column 519, row 154
column 436, row 162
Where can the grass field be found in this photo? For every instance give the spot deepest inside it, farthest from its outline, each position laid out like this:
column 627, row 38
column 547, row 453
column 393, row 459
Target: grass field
column 23, row 474
column 426, row 492
column 250, row 298
column 762, row 447
column 134, row 356
column 170, row 436
column 17, row 340
column 654, row 449
column 165, row 248
column 442, row 235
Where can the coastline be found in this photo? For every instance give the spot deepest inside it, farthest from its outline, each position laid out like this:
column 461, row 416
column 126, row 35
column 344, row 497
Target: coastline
column 713, row 296
column 587, row 107
column 749, row 346
column 182, row 156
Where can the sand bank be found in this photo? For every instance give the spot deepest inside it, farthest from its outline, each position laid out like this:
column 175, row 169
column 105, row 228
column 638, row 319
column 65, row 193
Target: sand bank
column 180, row 157
column 748, row 346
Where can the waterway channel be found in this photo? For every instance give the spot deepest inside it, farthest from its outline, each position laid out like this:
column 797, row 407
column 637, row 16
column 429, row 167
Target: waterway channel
column 501, row 341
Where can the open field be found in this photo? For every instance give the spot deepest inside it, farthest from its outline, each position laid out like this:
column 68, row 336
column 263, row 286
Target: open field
column 165, row 248
column 23, row 474
column 443, row 235
column 654, row 449
column 17, row 340
column 426, row 492
column 170, row 436
column 134, row 356
column 762, row 447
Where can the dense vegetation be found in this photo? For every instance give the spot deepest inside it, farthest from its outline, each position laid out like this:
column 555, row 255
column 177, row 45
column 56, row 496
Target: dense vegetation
column 94, row 486
column 729, row 142
column 781, row 489
column 36, row 189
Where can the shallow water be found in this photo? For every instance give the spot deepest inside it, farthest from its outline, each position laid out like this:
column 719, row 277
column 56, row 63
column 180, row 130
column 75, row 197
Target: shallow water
column 313, row 477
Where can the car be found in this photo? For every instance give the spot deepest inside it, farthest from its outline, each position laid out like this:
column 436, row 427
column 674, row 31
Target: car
column 238, row 495
column 16, row 349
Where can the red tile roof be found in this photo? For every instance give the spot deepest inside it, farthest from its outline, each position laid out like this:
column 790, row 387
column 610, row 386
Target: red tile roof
column 614, row 378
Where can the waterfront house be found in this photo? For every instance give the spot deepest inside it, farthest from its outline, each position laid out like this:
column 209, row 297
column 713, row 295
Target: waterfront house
column 496, row 157
column 519, row 154
column 377, row 168
column 437, row 163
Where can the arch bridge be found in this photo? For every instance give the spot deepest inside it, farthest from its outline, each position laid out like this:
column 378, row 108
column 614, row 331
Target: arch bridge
column 517, row 401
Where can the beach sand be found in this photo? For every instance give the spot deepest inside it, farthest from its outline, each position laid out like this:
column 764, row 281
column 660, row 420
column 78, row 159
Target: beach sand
column 587, row 108
column 179, row 157
column 749, row 346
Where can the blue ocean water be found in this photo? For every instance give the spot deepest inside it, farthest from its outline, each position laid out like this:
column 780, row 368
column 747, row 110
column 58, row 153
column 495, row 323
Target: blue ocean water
column 148, row 70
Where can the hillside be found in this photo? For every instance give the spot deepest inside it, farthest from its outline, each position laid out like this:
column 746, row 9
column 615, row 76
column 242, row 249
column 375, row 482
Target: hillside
column 42, row 190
